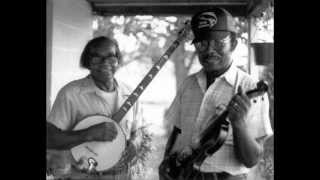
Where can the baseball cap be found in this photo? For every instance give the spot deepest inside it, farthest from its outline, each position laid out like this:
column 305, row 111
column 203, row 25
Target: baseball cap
column 215, row 19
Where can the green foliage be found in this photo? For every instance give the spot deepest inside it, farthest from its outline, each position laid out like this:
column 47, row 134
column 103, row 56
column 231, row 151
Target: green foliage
column 266, row 16
column 266, row 165
column 264, row 26
column 139, row 168
column 153, row 34
column 242, row 28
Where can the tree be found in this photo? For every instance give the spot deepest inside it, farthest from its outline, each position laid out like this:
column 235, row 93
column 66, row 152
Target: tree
column 143, row 29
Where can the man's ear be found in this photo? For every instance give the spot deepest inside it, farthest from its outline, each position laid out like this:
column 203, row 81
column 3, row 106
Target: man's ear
column 234, row 44
column 89, row 67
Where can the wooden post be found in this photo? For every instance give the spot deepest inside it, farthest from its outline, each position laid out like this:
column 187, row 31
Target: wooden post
column 248, row 45
column 49, row 53
column 252, row 68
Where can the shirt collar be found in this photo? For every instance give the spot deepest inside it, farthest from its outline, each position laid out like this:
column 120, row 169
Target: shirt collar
column 229, row 76
column 88, row 86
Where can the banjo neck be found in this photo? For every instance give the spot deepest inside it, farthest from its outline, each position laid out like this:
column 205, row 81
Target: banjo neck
column 150, row 75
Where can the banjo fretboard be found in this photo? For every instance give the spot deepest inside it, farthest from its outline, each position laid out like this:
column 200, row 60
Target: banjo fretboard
column 151, row 74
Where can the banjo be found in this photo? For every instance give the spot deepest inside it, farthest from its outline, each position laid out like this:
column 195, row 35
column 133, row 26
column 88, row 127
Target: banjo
column 102, row 156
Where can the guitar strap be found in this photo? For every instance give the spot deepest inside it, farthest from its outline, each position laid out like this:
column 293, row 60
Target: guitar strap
column 171, row 140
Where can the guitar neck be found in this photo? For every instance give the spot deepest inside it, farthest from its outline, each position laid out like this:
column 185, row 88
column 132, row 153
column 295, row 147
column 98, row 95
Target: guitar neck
column 145, row 82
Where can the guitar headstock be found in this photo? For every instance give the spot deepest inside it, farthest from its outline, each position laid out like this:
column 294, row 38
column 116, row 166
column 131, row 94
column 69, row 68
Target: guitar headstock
column 262, row 87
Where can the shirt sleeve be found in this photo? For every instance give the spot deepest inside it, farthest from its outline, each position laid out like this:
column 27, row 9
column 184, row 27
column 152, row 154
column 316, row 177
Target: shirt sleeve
column 259, row 118
column 61, row 115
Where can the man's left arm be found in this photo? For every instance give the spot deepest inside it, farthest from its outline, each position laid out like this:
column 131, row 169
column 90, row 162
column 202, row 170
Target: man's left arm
column 248, row 147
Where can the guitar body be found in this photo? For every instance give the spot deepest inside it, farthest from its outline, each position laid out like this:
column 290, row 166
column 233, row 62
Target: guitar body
column 106, row 154
column 172, row 169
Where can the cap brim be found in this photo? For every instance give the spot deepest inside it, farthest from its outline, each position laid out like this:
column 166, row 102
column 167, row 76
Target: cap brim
column 209, row 35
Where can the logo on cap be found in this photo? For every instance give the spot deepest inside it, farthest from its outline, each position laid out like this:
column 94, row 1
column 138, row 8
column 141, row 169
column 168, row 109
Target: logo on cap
column 207, row 19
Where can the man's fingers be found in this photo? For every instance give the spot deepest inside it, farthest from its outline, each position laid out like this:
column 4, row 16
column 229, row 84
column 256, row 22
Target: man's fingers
column 242, row 99
column 242, row 102
column 111, row 127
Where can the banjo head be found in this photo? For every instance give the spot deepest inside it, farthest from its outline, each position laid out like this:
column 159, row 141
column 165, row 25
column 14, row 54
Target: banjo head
column 105, row 154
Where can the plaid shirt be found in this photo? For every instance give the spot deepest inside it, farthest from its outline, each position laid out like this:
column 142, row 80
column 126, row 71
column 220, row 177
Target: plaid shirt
column 81, row 98
column 194, row 104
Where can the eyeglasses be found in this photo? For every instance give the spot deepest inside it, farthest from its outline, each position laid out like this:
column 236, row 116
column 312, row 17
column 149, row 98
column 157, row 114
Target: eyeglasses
column 98, row 59
column 213, row 43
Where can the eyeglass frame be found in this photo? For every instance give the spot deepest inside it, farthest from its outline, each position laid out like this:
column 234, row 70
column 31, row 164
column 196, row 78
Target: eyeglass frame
column 98, row 59
column 203, row 45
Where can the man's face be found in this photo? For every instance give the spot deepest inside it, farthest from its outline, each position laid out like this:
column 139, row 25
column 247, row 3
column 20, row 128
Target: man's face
column 215, row 53
column 104, row 63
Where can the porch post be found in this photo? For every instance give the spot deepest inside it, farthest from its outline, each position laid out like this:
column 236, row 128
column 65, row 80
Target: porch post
column 252, row 68
column 49, row 27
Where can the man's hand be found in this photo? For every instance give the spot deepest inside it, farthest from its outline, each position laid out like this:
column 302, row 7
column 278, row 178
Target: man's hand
column 239, row 107
column 105, row 131
column 246, row 148
column 186, row 151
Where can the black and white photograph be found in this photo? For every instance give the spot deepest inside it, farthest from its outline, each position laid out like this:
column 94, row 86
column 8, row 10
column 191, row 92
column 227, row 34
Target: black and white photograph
column 160, row 90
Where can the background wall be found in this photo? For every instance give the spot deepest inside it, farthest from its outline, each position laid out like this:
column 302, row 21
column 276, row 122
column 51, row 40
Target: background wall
column 48, row 52
column 71, row 26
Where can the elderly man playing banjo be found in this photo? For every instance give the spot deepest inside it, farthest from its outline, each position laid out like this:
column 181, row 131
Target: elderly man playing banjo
column 77, row 147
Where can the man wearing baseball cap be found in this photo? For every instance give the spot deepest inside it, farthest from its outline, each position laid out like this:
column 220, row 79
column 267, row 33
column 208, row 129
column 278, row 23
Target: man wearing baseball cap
column 217, row 87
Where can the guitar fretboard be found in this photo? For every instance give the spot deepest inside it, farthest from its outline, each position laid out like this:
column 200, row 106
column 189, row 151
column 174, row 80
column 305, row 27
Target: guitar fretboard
column 147, row 79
